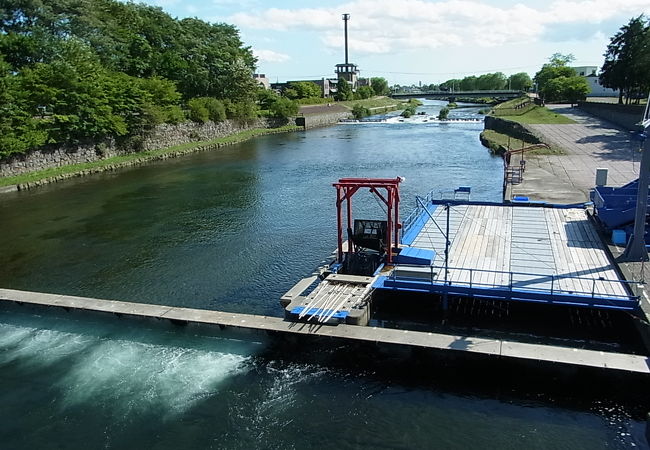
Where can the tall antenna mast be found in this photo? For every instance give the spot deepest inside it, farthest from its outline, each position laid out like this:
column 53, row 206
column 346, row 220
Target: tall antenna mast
column 346, row 17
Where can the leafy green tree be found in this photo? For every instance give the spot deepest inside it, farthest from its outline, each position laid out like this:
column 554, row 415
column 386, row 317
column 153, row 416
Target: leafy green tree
column 491, row 81
column 468, row 84
column 86, row 69
column 556, row 67
column 444, row 113
column 198, row 111
column 265, row 98
column 343, row 90
column 365, row 92
column 359, row 111
column 566, row 89
column 203, row 109
column 284, row 108
column 451, row 85
column 520, row 81
column 627, row 59
column 19, row 130
column 302, row 89
column 379, row 86
column 409, row 110
column 240, row 110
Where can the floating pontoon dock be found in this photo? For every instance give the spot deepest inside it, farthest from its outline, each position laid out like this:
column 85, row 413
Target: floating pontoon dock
column 523, row 252
column 498, row 348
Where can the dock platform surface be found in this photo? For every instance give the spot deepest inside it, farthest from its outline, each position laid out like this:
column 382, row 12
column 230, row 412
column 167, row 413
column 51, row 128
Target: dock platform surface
column 549, row 254
column 499, row 348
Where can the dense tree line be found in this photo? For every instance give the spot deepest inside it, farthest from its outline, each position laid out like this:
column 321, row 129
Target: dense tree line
column 627, row 60
column 79, row 69
column 489, row 82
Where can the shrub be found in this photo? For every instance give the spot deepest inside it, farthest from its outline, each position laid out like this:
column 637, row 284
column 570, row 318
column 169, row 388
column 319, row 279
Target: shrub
column 198, row 110
column 284, row 108
column 359, row 111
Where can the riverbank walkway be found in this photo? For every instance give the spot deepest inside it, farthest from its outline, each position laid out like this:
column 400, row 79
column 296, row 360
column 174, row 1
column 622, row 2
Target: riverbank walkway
column 589, row 144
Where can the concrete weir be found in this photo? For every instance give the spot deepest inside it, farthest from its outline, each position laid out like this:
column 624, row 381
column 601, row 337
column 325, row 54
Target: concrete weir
column 497, row 348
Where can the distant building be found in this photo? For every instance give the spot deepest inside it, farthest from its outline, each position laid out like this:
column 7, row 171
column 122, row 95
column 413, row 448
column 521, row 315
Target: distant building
column 349, row 72
column 262, row 80
column 327, row 85
column 596, row 89
column 585, row 71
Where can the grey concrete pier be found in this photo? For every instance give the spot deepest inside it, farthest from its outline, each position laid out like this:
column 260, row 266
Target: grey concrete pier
column 497, row 348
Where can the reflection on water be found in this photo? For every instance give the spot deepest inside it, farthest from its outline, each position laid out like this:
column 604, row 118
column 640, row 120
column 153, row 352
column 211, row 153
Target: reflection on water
column 231, row 229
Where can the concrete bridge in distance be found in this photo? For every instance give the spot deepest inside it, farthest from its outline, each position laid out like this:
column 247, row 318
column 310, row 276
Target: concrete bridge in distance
column 504, row 94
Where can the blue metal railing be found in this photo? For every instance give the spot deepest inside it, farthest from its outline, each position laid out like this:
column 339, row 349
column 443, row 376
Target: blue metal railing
column 416, row 213
column 534, row 283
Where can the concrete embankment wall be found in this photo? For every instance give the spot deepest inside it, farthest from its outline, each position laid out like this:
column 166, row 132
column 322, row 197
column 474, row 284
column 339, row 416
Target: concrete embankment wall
column 321, row 119
column 162, row 136
column 513, row 129
column 626, row 116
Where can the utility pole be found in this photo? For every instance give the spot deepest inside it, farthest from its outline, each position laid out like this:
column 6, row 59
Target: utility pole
column 635, row 249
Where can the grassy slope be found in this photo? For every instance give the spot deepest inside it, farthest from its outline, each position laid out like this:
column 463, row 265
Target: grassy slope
column 537, row 115
column 540, row 115
column 498, row 139
column 139, row 157
column 375, row 102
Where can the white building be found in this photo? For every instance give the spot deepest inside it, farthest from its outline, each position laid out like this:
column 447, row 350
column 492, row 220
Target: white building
column 596, row 89
column 262, row 80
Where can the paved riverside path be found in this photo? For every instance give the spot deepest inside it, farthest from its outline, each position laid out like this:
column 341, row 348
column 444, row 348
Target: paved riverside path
column 589, row 144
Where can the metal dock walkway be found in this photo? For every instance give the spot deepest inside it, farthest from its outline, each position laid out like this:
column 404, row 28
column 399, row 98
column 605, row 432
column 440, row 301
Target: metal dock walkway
column 638, row 364
column 536, row 254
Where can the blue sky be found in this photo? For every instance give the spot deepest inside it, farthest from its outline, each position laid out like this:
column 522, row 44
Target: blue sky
column 408, row 41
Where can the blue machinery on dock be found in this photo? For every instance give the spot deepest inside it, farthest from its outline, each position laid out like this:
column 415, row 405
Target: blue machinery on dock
column 616, row 207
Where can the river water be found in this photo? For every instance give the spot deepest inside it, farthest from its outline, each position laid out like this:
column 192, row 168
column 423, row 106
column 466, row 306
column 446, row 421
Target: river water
column 232, row 230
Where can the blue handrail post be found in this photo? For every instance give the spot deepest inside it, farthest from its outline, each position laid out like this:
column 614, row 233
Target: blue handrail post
column 593, row 289
column 552, row 283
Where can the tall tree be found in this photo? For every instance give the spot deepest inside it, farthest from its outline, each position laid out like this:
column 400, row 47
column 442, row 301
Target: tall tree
column 520, row 81
column 343, row 90
column 379, row 85
column 627, row 59
column 556, row 67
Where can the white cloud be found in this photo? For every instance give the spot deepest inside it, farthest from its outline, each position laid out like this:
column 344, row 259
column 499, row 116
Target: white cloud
column 387, row 26
column 270, row 56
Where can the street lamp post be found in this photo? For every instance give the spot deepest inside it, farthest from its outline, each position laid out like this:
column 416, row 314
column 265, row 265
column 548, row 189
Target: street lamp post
column 635, row 249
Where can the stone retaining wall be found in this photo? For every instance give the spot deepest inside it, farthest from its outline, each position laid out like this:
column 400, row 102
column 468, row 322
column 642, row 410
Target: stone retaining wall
column 513, row 129
column 321, row 120
column 626, row 116
column 163, row 136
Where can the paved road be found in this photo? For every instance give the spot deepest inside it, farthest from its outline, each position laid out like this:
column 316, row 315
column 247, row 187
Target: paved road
column 590, row 143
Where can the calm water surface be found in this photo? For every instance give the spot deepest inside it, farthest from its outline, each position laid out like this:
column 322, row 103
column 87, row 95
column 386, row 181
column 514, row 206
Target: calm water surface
column 233, row 230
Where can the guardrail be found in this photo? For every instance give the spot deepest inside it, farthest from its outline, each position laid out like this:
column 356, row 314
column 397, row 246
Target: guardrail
column 415, row 214
column 507, row 280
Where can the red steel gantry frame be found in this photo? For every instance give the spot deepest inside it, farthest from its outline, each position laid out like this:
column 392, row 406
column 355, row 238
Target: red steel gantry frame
column 347, row 187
